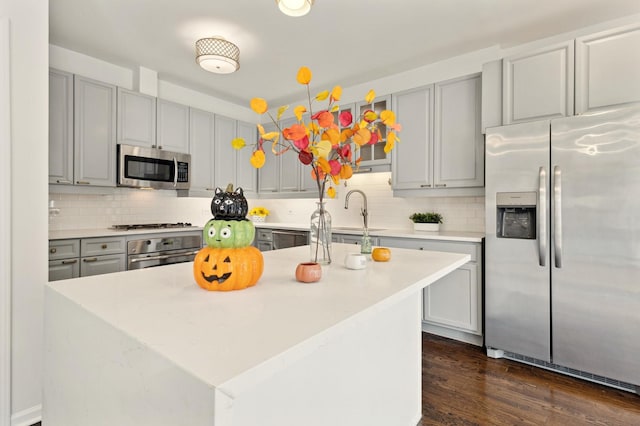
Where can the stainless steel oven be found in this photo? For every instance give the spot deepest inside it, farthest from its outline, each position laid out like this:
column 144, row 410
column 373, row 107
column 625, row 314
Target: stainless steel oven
column 141, row 167
column 158, row 250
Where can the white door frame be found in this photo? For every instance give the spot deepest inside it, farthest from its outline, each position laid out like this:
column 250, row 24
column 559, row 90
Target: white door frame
column 5, row 224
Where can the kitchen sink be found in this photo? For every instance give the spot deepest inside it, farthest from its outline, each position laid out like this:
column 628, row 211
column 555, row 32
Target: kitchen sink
column 354, row 228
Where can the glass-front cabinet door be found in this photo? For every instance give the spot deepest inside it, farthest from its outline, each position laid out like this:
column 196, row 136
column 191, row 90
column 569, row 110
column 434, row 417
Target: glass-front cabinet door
column 373, row 154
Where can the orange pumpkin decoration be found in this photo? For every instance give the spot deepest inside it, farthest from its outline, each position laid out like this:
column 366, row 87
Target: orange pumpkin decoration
column 224, row 269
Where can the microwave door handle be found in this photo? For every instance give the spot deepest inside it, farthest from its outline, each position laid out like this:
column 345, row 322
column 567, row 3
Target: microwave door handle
column 542, row 217
column 557, row 215
column 175, row 172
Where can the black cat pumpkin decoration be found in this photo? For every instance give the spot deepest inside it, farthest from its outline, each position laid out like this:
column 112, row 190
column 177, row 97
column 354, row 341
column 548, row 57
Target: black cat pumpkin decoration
column 229, row 204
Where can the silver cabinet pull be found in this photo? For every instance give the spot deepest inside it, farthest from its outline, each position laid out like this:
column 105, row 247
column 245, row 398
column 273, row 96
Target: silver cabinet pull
column 82, row 182
column 426, row 185
column 63, row 181
column 104, row 246
column 90, row 259
column 53, row 250
column 441, row 185
column 557, row 215
column 69, row 262
column 542, row 216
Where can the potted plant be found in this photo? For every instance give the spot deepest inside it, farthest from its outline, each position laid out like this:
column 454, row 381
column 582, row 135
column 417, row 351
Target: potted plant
column 429, row 221
column 259, row 214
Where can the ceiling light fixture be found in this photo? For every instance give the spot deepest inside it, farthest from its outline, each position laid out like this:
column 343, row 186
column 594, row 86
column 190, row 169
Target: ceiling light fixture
column 295, row 7
column 215, row 54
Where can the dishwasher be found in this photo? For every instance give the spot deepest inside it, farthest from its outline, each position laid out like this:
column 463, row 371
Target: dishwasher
column 274, row 239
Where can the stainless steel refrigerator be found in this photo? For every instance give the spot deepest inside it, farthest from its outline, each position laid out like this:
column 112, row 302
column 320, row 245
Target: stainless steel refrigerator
column 562, row 277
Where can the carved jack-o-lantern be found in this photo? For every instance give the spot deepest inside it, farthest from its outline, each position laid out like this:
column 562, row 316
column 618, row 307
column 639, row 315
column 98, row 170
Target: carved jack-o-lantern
column 223, row 269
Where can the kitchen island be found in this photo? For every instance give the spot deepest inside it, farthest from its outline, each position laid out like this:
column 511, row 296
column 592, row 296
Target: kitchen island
column 151, row 347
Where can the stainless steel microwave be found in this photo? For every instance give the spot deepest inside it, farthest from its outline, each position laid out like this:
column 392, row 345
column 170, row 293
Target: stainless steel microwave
column 141, row 167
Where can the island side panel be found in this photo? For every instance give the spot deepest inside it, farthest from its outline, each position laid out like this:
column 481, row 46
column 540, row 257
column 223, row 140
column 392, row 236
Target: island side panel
column 96, row 375
column 370, row 373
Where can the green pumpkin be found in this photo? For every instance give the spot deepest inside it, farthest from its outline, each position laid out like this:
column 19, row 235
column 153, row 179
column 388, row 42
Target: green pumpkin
column 228, row 233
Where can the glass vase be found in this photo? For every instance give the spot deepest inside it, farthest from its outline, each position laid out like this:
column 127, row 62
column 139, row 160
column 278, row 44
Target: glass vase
column 320, row 235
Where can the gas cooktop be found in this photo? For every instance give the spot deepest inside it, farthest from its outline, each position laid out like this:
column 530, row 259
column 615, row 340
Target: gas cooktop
column 152, row 226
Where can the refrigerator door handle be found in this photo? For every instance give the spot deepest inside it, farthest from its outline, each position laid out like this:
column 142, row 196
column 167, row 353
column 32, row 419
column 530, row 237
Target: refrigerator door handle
column 557, row 215
column 542, row 216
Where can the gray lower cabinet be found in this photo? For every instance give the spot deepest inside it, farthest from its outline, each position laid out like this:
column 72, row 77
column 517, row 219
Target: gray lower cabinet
column 352, row 239
column 64, row 259
column 452, row 306
column 72, row 258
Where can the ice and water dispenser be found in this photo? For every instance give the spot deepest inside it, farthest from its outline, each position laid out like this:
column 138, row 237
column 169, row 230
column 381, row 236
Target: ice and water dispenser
column 516, row 215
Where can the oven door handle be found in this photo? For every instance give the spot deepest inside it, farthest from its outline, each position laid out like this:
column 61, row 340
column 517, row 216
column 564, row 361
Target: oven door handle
column 163, row 256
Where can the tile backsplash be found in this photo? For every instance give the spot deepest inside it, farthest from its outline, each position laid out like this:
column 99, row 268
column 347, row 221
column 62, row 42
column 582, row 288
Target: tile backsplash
column 124, row 205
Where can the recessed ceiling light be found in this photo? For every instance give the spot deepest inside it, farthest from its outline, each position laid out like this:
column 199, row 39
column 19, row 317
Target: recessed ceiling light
column 295, row 7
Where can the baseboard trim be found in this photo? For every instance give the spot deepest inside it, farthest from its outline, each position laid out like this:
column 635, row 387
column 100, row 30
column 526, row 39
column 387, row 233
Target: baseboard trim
column 27, row 417
column 460, row 336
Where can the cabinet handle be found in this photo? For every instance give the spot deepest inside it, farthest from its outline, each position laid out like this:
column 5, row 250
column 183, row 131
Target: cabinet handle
column 209, row 189
column 63, row 181
column 365, row 170
column 426, row 185
column 440, row 185
column 104, row 246
column 421, row 248
column 82, row 182
column 90, row 259
column 53, row 250
column 69, row 262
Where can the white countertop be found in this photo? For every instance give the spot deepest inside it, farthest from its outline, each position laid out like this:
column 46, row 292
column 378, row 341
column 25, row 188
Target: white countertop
column 232, row 340
column 472, row 237
column 110, row 232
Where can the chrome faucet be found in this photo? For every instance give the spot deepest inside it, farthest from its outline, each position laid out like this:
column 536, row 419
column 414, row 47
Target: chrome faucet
column 363, row 210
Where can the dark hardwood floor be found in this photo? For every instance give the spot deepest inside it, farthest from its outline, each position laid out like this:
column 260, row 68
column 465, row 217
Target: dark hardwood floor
column 462, row 386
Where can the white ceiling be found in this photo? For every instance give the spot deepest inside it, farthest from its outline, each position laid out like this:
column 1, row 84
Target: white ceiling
column 342, row 41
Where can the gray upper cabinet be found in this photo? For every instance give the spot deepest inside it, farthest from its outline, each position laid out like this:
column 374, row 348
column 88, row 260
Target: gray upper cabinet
column 608, row 68
column 136, row 118
column 246, row 175
column 214, row 162
column 491, row 94
column 233, row 166
column 60, row 127
column 284, row 175
column 538, row 84
column 458, row 148
column 94, row 132
column 201, row 148
column 412, row 160
column 442, row 148
column 172, row 126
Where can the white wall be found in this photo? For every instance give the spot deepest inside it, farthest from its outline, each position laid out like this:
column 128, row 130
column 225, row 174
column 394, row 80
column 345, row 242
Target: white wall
column 29, row 163
column 143, row 206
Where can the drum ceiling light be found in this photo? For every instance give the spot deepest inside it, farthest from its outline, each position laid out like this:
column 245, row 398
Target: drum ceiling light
column 295, row 7
column 215, row 54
